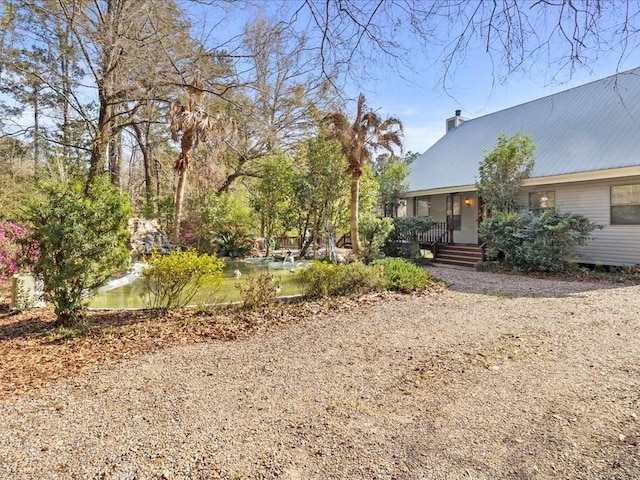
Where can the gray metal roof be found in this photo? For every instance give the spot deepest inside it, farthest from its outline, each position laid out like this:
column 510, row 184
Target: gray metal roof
column 591, row 127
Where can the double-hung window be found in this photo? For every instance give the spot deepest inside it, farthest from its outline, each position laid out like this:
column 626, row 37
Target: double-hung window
column 625, row 205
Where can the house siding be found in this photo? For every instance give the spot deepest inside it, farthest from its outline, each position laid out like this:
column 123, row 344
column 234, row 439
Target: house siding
column 438, row 212
column 615, row 244
column 469, row 231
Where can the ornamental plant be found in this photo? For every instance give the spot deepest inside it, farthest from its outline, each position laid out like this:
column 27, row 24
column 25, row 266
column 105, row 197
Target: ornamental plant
column 322, row 279
column 172, row 280
column 13, row 250
column 82, row 240
column 373, row 234
column 401, row 275
column 503, row 171
column 535, row 243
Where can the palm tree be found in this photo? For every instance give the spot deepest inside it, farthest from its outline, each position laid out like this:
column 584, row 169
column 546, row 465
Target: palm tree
column 186, row 117
column 367, row 132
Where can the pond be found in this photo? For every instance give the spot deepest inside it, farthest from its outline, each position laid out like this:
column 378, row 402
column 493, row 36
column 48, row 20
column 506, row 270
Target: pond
column 132, row 295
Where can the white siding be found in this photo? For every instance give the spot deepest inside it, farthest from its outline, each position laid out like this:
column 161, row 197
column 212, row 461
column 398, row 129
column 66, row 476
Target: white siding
column 615, row 244
column 469, row 230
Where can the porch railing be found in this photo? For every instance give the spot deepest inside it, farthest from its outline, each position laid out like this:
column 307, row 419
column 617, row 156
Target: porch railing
column 438, row 232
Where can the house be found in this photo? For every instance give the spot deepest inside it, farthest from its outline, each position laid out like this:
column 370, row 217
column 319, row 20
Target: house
column 587, row 161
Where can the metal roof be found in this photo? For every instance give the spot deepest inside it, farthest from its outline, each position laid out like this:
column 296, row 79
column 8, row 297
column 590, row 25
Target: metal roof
column 595, row 126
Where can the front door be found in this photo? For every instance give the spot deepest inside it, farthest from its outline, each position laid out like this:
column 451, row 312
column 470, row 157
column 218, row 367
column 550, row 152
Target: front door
column 454, row 218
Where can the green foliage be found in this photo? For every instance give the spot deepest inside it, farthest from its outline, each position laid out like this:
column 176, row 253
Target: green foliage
column 501, row 235
column 172, row 281
column 402, row 276
column 406, row 229
column 533, row 243
column 356, row 279
column 321, row 279
column 82, row 241
column 392, row 174
column 373, row 233
column 223, row 224
column 234, row 242
column 259, row 291
column 320, row 187
column 369, row 190
column 273, row 194
column 503, row 171
column 317, row 280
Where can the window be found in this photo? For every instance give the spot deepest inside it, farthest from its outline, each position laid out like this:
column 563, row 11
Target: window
column 625, row 205
column 541, row 201
column 422, row 206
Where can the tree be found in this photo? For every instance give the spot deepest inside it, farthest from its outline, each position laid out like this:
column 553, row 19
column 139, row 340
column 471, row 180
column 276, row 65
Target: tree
column 503, row 171
column 273, row 195
column 367, row 132
column 278, row 99
column 192, row 125
column 82, row 242
column 515, row 35
column 321, row 189
column 222, row 223
column 393, row 180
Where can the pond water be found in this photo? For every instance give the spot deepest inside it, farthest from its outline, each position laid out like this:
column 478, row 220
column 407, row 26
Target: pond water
column 132, row 295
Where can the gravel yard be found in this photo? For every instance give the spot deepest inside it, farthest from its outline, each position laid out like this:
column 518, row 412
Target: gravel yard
column 498, row 377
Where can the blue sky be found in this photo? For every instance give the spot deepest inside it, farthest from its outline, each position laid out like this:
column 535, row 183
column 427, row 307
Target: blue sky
column 423, row 105
column 416, row 95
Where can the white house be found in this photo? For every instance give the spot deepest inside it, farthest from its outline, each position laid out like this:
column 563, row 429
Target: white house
column 587, row 161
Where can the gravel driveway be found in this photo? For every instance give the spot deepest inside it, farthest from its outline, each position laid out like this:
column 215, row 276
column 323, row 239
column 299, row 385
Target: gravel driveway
column 497, row 377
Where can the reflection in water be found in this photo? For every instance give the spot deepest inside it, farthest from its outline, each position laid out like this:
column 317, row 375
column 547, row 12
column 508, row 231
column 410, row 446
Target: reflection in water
column 132, row 295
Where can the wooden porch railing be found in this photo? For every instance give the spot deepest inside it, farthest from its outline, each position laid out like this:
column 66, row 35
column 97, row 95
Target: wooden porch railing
column 344, row 241
column 439, row 231
column 287, row 243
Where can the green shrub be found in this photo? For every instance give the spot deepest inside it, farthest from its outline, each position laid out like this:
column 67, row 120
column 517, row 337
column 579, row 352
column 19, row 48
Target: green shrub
column 402, row 276
column 234, row 242
column 171, row 281
column 317, row 279
column 356, row 279
column 501, row 234
column 403, row 240
column 223, row 224
column 259, row 291
column 82, row 240
column 373, row 235
column 531, row 243
column 321, row 279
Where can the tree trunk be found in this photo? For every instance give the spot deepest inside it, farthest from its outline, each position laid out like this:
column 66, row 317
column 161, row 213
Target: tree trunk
column 355, row 210
column 36, row 130
column 115, row 159
column 179, row 199
column 103, row 137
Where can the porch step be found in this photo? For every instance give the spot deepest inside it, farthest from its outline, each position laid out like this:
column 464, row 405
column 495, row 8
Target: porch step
column 461, row 255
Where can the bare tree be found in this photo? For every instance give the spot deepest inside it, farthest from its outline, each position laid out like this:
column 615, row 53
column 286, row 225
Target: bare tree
column 515, row 35
column 279, row 99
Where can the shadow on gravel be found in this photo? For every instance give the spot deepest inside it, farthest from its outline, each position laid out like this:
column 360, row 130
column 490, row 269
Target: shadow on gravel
column 514, row 286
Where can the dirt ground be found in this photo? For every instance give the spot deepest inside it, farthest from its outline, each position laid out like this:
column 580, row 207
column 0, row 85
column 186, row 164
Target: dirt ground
column 497, row 376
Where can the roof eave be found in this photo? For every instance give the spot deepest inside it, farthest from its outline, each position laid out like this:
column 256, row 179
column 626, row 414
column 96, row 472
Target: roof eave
column 606, row 174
